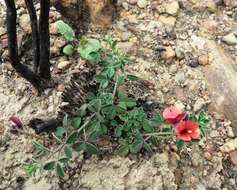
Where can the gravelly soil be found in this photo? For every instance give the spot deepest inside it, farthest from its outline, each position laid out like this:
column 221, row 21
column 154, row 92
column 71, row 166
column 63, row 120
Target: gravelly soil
column 175, row 77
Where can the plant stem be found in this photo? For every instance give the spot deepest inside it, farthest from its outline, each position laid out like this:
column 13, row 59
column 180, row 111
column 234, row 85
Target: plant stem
column 88, row 120
column 158, row 134
column 115, row 87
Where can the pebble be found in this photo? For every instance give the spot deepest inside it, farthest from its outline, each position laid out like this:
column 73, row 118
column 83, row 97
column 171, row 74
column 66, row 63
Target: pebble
column 198, row 105
column 25, row 23
column 169, row 53
column 63, row 65
column 229, row 146
column 167, row 20
column 230, row 39
column 230, row 132
column 129, row 48
column 180, row 77
column 142, row 3
column 172, row 8
column 233, row 157
column 203, row 59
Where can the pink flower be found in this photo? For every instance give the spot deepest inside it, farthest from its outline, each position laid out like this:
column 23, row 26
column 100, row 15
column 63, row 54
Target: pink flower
column 15, row 125
column 173, row 115
column 187, row 130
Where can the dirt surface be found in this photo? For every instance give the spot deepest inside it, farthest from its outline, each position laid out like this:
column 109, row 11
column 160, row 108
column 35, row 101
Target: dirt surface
column 166, row 40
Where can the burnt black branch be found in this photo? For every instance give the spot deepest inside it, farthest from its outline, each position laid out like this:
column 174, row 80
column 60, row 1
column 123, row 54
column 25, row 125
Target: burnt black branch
column 24, row 71
column 44, row 39
column 35, row 33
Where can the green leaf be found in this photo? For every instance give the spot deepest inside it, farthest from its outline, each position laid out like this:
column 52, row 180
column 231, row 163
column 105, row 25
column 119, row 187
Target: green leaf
column 127, row 103
column 147, row 127
column 110, row 72
column 121, row 80
column 68, row 152
column 79, row 146
column 60, row 131
column 123, row 149
column 100, row 78
column 39, row 146
column 82, row 110
column 154, row 141
column 64, row 160
column 91, row 148
column 65, row 30
column 68, row 49
column 136, row 146
column 118, row 131
column 95, row 105
column 76, row 122
column 87, row 47
column 72, row 138
column 192, row 117
column 179, row 143
column 65, row 121
column 59, row 170
column 49, row 165
column 157, row 120
column 203, row 132
column 132, row 77
column 147, row 147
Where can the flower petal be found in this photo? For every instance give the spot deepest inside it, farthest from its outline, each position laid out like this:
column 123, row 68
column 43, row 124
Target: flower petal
column 184, row 137
column 191, row 125
column 180, row 127
column 195, row 135
column 173, row 114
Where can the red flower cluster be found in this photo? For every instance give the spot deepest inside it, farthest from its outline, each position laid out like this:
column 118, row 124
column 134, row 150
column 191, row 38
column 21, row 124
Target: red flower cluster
column 185, row 130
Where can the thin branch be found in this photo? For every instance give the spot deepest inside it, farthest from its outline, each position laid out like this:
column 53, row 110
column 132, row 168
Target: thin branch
column 44, row 67
column 35, row 33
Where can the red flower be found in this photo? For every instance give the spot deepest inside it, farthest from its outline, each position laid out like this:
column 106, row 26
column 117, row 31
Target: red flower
column 187, row 130
column 173, row 115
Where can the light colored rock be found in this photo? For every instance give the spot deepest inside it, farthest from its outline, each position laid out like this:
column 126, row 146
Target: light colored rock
column 229, row 146
column 230, row 39
column 231, row 3
column 25, row 23
column 172, row 8
column 129, row 48
column 211, row 6
column 167, row 20
column 142, row 3
column 230, row 132
column 180, row 77
column 132, row 2
column 203, row 59
column 169, row 53
column 64, row 65
column 233, row 157
column 199, row 104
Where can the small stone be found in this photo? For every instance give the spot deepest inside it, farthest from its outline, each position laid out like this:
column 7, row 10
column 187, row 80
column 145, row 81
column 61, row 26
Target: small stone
column 129, row 48
column 229, row 146
column 208, row 156
column 180, row 77
column 172, row 8
column 169, row 53
column 214, row 134
column 25, row 23
column 142, row 3
column 199, row 104
column 132, row 2
column 230, row 39
column 211, row 6
column 203, row 59
column 231, row 3
column 64, row 65
column 53, row 29
column 233, row 157
column 230, row 132
column 167, row 20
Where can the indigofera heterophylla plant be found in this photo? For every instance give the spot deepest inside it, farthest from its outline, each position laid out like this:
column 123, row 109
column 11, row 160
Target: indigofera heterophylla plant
column 111, row 113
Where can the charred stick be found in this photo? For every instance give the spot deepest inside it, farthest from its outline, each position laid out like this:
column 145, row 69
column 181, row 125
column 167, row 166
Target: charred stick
column 24, row 71
column 35, row 33
column 44, row 66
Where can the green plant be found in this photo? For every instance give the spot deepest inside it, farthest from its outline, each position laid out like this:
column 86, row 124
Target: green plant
column 108, row 112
